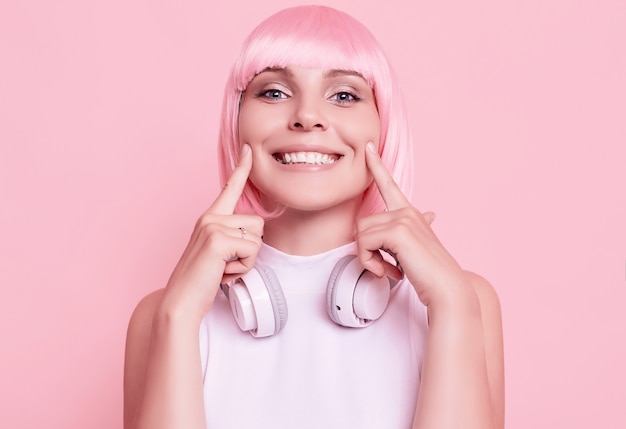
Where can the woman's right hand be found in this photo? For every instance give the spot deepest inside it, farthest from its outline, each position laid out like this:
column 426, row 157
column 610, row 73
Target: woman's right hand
column 222, row 246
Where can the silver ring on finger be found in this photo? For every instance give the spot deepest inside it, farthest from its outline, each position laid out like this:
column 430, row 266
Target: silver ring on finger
column 243, row 232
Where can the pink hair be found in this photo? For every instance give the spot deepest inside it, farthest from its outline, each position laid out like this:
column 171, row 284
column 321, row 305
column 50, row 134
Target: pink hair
column 318, row 37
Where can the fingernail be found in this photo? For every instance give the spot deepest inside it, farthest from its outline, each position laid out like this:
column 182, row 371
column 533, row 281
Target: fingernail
column 245, row 149
column 370, row 147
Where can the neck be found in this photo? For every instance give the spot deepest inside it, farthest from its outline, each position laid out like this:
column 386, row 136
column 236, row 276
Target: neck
column 308, row 233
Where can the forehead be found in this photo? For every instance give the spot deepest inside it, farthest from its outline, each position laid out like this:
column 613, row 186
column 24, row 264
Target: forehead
column 309, row 55
column 295, row 71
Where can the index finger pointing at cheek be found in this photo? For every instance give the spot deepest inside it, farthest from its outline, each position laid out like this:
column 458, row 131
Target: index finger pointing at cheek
column 226, row 201
column 388, row 188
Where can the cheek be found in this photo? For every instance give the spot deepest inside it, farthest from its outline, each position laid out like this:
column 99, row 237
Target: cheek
column 374, row 126
column 256, row 125
column 361, row 132
column 256, row 173
column 261, row 165
column 250, row 121
column 365, row 127
column 245, row 125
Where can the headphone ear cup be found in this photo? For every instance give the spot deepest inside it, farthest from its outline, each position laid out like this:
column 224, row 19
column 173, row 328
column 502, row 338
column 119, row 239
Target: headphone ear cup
column 355, row 297
column 258, row 302
column 331, row 289
column 277, row 296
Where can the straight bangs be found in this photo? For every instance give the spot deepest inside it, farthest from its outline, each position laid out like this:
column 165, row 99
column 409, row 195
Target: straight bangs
column 324, row 38
column 320, row 37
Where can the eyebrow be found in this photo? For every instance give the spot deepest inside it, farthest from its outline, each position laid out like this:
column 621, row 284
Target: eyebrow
column 280, row 70
column 334, row 73
column 327, row 75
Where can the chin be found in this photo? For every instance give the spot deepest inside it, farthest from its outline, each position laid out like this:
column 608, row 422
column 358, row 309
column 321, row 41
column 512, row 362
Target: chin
column 310, row 205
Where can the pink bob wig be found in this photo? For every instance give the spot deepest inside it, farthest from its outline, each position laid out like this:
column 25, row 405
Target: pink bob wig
column 325, row 38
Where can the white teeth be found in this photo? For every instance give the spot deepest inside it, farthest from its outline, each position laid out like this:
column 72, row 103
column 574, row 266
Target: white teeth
column 305, row 158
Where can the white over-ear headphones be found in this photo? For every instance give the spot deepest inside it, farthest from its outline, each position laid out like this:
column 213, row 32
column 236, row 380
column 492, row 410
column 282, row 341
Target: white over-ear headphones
column 354, row 298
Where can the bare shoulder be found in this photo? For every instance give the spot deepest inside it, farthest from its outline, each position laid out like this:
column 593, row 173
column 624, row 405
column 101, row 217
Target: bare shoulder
column 144, row 311
column 140, row 324
column 486, row 293
column 137, row 349
column 139, row 329
column 491, row 315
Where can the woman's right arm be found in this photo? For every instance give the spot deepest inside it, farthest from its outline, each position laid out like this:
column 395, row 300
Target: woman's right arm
column 162, row 372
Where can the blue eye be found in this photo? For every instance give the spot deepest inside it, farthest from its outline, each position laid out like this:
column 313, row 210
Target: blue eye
column 273, row 94
column 345, row 97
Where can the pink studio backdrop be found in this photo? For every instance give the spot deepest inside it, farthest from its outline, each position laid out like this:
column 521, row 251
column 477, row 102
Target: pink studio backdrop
column 108, row 115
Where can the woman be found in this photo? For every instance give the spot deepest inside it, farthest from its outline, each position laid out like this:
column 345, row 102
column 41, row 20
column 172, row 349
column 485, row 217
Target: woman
column 315, row 158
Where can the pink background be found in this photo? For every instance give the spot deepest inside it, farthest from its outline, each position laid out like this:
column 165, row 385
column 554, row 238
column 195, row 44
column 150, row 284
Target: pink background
column 108, row 113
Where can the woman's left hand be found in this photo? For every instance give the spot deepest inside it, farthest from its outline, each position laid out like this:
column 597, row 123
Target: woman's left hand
column 405, row 233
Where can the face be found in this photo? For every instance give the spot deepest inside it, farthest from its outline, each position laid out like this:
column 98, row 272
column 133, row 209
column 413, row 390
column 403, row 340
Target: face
column 308, row 129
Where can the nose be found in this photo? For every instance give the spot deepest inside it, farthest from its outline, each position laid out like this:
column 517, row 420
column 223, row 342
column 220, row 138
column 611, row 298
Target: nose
column 308, row 115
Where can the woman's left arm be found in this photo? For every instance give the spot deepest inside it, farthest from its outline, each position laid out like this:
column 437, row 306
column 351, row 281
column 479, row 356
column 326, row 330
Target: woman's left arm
column 462, row 377
column 462, row 381
column 493, row 339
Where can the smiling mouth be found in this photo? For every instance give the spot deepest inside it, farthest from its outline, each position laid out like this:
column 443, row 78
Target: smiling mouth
column 313, row 158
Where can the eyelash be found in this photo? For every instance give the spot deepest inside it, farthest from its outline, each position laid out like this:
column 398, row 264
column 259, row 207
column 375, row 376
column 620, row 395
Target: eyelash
column 266, row 93
column 352, row 98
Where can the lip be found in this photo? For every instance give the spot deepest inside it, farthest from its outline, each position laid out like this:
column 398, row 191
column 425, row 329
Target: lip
column 307, row 168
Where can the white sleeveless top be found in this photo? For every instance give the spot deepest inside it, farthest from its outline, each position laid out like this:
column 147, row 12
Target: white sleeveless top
column 314, row 373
